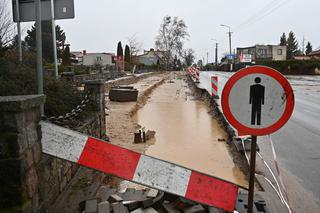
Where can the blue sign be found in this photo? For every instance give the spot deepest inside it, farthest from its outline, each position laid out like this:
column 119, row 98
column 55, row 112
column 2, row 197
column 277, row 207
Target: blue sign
column 232, row 56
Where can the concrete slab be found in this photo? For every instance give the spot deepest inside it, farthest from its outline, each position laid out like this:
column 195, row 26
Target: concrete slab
column 104, row 207
column 148, row 210
column 105, row 192
column 119, row 208
column 91, row 206
column 194, row 209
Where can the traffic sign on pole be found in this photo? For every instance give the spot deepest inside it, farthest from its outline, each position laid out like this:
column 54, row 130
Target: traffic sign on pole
column 63, row 9
column 257, row 100
column 149, row 171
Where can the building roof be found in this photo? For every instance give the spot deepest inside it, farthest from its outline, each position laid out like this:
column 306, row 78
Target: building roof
column 314, row 53
column 273, row 45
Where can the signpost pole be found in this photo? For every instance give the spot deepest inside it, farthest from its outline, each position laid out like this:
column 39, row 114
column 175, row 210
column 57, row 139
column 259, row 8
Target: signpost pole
column 252, row 172
column 55, row 60
column 19, row 30
column 39, row 51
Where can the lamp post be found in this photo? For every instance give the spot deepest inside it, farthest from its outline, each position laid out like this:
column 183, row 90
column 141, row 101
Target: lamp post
column 230, row 51
column 216, row 51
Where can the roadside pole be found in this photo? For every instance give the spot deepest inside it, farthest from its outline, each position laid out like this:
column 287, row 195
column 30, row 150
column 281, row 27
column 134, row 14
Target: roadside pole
column 216, row 56
column 267, row 101
column 39, row 52
column 252, row 172
column 54, row 40
column 19, row 31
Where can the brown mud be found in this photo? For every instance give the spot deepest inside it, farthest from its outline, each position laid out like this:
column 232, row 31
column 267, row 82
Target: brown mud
column 185, row 133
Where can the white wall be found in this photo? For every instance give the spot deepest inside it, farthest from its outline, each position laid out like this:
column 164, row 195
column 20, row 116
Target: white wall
column 91, row 59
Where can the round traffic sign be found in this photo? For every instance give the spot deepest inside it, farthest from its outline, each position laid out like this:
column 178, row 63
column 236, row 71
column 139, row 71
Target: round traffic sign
column 257, row 100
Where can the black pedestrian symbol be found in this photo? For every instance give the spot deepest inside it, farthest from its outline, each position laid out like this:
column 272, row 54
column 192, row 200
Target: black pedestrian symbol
column 256, row 100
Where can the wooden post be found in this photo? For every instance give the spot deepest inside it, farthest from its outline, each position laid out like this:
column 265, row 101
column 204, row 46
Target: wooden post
column 252, row 172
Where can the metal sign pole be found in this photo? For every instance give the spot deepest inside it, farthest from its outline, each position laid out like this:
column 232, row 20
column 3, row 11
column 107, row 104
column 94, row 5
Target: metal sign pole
column 19, row 31
column 252, row 172
column 39, row 51
column 55, row 60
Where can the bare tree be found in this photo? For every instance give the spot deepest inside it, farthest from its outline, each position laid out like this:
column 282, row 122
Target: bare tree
column 172, row 34
column 7, row 29
column 134, row 45
column 189, row 57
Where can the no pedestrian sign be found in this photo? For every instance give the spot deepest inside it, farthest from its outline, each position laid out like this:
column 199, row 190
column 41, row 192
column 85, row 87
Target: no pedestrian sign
column 257, row 100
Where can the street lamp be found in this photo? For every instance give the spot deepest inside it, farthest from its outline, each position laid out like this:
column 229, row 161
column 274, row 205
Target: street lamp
column 230, row 53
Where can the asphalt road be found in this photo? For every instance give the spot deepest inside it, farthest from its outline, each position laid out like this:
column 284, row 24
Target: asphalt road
column 297, row 144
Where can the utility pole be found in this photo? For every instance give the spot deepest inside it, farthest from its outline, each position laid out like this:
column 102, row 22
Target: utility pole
column 303, row 45
column 39, row 51
column 19, row 31
column 230, row 49
column 216, row 56
column 54, row 40
column 216, row 51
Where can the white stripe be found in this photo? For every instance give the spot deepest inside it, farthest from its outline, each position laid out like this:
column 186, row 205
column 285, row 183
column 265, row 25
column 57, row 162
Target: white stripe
column 214, row 81
column 162, row 175
column 61, row 142
column 214, row 92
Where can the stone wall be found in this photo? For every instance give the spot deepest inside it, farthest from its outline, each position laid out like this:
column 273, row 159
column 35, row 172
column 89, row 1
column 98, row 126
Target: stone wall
column 32, row 181
column 20, row 153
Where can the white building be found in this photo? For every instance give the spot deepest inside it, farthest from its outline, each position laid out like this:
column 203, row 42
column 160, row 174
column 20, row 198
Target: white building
column 101, row 59
column 92, row 59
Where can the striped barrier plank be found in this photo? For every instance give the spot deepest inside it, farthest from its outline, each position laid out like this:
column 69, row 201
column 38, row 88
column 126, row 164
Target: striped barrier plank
column 214, row 86
column 100, row 155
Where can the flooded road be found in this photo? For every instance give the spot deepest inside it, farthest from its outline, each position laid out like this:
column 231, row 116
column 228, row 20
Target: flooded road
column 185, row 133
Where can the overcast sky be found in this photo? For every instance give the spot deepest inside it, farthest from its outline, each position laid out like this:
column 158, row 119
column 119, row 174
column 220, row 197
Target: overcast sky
column 100, row 24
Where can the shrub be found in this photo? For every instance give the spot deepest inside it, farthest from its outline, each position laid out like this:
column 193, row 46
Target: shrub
column 293, row 67
column 16, row 79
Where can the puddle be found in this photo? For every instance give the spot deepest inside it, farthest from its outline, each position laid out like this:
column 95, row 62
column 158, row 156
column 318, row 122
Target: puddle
column 185, row 133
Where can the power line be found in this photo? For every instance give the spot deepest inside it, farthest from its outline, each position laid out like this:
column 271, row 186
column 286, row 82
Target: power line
column 267, row 10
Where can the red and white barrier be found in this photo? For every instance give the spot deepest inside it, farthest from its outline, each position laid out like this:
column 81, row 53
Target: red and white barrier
column 214, row 86
column 194, row 72
column 103, row 156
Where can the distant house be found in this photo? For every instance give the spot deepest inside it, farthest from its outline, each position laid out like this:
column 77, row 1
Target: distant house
column 76, row 57
column 264, row 52
column 92, row 59
column 315, row 54
column 151, row 57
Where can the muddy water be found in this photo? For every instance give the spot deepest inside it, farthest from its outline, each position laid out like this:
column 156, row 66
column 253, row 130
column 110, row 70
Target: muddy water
column 185, row 133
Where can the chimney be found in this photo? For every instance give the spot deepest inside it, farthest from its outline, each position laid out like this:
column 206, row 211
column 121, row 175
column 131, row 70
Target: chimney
column 84, row 52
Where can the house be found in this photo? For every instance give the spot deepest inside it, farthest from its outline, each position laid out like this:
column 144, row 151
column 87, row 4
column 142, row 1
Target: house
column 315, row 54
column 92, row 59
column 263, row 53
column 151, row 57
column 76, row 57
column 100, row 59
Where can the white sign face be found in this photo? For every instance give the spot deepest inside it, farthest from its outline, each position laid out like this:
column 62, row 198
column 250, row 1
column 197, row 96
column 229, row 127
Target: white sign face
column 63, row 9
column 257, row 105
column 257, row 100
column 246, row 58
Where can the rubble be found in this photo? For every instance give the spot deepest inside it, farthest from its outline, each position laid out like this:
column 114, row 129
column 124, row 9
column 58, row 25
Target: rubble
column 147, row 200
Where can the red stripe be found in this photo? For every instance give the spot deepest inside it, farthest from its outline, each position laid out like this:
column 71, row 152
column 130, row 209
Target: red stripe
column 214, row 87
column 109, row 158
column 212, row 191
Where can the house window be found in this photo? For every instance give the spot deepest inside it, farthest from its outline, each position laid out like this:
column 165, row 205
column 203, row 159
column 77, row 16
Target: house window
column 279, row 51
column 262, row 52
column 99, row 58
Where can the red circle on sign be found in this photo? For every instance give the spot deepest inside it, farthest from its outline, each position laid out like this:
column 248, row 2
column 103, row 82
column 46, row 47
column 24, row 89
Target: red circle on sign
column 242, row 129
